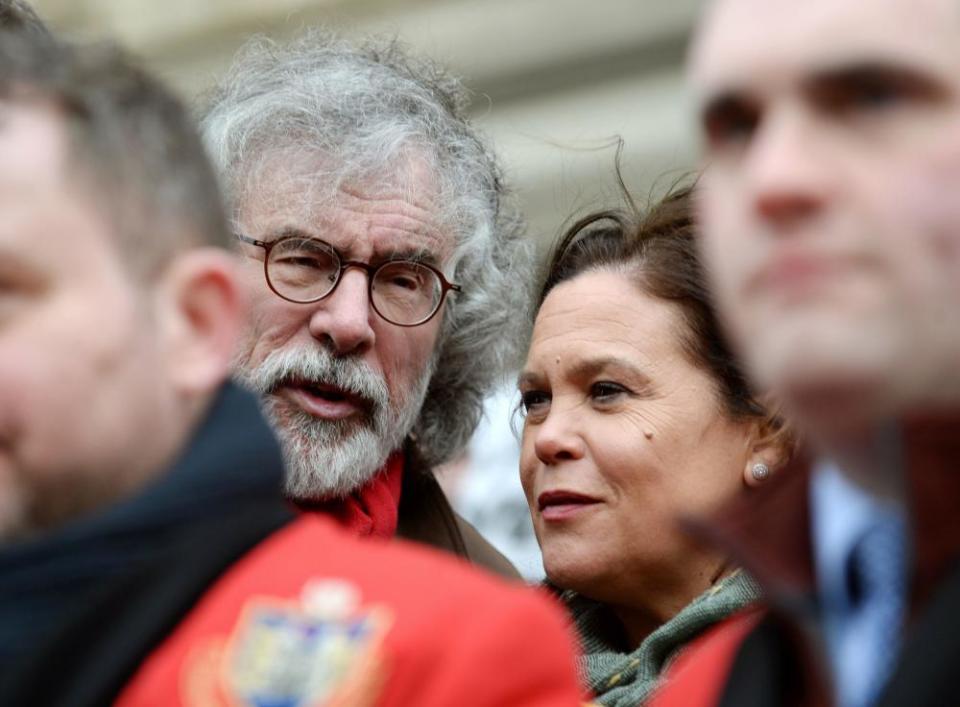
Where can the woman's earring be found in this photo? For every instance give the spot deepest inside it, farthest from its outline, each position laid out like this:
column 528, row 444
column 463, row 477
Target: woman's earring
column 760, row 471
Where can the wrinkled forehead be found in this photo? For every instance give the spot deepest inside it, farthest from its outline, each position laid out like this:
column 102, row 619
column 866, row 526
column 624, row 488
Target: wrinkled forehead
column 309, row 190
column 763, row 42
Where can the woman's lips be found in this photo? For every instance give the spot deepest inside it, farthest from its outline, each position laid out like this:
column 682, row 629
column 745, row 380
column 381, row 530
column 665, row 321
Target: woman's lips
column 321, row 401
column 561, row 505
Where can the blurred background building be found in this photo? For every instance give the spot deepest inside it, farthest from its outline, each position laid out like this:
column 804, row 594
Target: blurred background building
column 556, row 83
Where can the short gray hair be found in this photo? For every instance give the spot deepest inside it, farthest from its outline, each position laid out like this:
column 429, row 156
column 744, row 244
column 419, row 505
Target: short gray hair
column 134, row 145
column 366, row 106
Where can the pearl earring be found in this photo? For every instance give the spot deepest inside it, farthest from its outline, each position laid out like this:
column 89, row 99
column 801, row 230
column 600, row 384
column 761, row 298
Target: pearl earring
column 760, row 471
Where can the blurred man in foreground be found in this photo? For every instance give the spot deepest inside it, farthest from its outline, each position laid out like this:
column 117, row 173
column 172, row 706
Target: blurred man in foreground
column 831, row 221
column 384, row 268
column 146, row 554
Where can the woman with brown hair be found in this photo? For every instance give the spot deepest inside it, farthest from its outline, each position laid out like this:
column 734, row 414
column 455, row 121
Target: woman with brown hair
column 636, row 415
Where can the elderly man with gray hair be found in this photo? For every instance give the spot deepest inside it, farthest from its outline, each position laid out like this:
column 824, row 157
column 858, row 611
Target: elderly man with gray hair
column 384, row 268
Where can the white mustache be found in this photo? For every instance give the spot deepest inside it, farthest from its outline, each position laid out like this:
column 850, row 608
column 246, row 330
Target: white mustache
column 319, row 367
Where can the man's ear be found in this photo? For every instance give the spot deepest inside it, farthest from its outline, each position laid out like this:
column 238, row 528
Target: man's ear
column 200, row 311
column 771, row 445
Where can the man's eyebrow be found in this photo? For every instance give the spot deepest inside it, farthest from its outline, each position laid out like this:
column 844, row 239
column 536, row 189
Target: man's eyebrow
column 885, row 74
column 416, row 254
column 287, row 231
column 855, row 73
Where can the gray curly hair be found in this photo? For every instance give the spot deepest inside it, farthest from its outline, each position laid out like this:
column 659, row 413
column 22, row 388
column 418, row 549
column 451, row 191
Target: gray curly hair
column 367, row 107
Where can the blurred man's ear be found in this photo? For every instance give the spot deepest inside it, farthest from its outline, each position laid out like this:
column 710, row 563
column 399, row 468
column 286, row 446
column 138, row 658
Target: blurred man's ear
column 200, row 312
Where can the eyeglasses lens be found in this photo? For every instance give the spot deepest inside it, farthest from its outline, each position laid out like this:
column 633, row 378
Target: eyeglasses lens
column 306, row 270
column 406, row 292
column 303, row 269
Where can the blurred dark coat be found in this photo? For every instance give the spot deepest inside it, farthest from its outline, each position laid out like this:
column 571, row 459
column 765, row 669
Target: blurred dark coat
column 93, row 597
column 215, row 496
column 151, row 590
column 427, row 517
column 780, row 658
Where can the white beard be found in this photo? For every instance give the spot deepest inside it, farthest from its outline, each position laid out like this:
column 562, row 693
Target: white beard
column 327, row 459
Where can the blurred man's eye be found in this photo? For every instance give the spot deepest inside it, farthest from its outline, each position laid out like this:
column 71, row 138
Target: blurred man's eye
column 729, row 122
column 866, row 95
column 19, row 280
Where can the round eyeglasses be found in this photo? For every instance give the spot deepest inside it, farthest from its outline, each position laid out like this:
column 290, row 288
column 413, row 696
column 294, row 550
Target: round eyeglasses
column 305, row 270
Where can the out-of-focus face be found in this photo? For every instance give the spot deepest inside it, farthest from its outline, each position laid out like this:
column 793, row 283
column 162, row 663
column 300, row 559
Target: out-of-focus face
column 829, row 203
column 622, row 435
column 78, row 356
column 342, row 386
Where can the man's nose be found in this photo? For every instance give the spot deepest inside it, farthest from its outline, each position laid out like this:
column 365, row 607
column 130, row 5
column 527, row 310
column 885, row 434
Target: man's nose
column 788, row 169
column 343, row 319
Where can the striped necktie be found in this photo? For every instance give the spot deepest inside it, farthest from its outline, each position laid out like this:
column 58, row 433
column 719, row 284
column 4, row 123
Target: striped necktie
column 878, row 566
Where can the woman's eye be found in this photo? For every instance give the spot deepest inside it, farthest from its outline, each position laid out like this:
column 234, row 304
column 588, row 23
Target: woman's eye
column 606, row 390
column 533, row 400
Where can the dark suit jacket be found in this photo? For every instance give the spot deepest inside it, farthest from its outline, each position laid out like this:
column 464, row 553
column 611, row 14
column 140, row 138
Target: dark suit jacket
column 104, row 591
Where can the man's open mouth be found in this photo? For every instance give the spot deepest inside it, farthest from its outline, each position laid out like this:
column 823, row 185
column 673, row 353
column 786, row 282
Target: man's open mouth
column 322, row 400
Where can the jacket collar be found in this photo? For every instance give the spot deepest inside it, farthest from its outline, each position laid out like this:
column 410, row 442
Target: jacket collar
column 426, row 515
column 231, row 458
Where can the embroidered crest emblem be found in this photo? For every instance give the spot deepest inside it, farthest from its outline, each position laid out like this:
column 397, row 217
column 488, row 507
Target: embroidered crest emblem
column 322, row 650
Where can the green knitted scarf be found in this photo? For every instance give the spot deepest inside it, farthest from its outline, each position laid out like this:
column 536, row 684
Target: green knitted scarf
column 622, row 679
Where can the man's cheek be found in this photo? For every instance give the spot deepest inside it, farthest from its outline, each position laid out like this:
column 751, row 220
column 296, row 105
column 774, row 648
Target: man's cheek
column 923, row 249
column 925, row 203
column 721, row 224
column 924, row 253
column 723, row 266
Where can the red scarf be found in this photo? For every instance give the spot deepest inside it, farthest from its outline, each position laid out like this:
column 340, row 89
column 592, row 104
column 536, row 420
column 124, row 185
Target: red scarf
column 372, row 510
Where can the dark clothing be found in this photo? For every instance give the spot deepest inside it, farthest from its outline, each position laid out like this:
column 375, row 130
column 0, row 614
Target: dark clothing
column 228, row 476
column 427, row 517
column 222, row 562
column 782, row 661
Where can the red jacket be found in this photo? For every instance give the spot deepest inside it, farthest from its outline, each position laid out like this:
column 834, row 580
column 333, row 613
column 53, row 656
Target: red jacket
column 312, row 616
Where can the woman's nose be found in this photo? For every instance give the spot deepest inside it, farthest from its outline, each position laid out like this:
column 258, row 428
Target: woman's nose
column 558, row 439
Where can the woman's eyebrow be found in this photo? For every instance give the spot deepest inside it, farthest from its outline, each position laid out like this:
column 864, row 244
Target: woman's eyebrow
column 594, row 366
column 528, row 378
